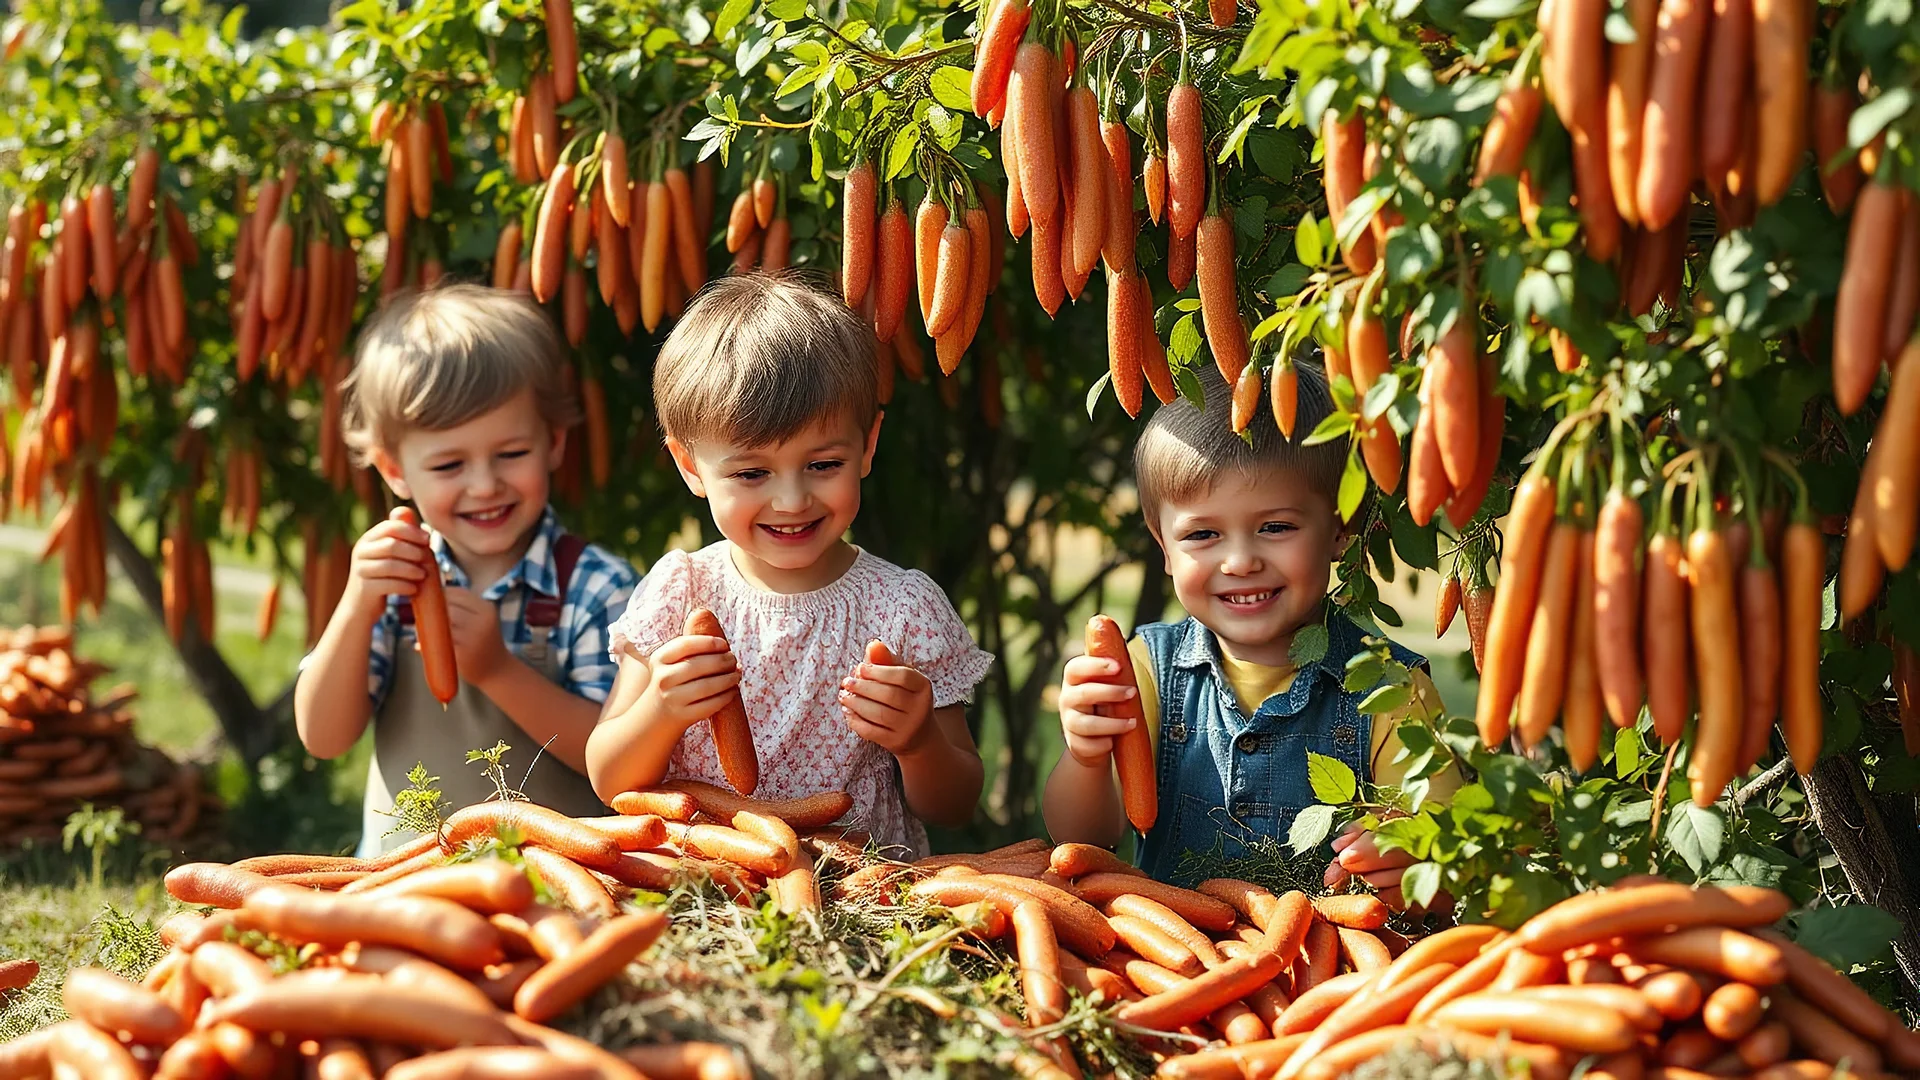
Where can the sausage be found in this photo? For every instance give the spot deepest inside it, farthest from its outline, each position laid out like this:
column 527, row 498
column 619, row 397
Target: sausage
column 1822, row 1036
column 90, row 1053
column 1201, row 910
column 439, row 929
column 658, row 802
column 1732, row 1011
column 1358, row 911
column 1675, row 994
column 810, row 812
column 538, row 825
column 1310, row 1008
column 569, row 882
column 1199, row 997
column 1132, row 749
column 1648, row 909
column 732, row 734
column 633, row 832
column 1167, row 922
column 1714, row 949
column 114, row 1005
column 1589, row 1029
column 563, row 983
column 486, row 886
column 213, row 884
column 1831, row 992
column 1078, row 860
column 357, row 1006
column 226, row 969
column 433, row 625
column 1625, row 1000
column 492, row 1063
column 1456, row 945
column 1364, row 1012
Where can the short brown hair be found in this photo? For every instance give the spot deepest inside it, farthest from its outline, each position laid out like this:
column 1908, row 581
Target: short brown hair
column 759, row 358
column 1186, row 447
column 433, row 360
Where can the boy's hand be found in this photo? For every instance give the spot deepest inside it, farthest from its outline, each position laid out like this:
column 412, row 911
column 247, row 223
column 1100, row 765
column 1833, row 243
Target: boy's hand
column 391, row 559
column 689, row 676
column 1090, row 735
column 477, row 646
column 888, row 704
column 1356, row 853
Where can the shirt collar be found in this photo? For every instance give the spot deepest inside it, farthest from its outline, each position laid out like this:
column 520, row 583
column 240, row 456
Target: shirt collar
column 535, row 569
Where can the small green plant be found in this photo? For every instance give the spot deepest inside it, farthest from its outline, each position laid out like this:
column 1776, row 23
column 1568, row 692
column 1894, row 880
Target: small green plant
column 495, row 769
column 99, row 830
column 419, row 807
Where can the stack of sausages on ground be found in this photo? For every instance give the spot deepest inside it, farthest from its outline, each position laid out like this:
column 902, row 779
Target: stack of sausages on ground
column 59, row 747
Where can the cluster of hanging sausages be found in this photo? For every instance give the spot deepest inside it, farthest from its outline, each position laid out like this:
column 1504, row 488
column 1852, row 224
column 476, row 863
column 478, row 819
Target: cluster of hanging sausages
column 59, row 747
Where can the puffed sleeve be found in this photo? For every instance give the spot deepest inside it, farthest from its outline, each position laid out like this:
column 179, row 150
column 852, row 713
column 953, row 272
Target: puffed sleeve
column 937, row 643
column 658, row 609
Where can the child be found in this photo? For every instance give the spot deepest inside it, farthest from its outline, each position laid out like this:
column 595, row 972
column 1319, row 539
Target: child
column 767, row 393
column 1250, row 532
column 458, row 398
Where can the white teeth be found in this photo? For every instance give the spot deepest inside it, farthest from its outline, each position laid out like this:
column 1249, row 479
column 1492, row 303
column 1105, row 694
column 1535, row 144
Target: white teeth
column 490, row 515
column 787, row 530
column 1248, row 598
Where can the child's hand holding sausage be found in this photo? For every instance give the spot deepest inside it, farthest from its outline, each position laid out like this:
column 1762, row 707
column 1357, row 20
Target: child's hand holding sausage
column 1090, row 735
column 689, row 678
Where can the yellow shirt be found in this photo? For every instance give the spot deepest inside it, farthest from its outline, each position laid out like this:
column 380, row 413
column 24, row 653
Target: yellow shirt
column 1253, row 684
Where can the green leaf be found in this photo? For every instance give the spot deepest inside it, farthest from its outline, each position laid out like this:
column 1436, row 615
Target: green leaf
column 1413, row 251
column 947, row 126
column 1421, row 883
column 1870, row 119
column 730, row 16
column 1333, row 427
column 1364, row 671
column 1386, row 699
column 1099, row 387
column 1418, row 545
column 1434, row 150
column 1290, row 279
column 787, row 10
column 1184, row 343
column 1306, row 241
column 1696, row 834
column 1353, row 486
column 1310, row 829
column 1627, row 747
column 1848, row 935
column 952, row 86
column 1332, row 780
column 900, row 153
column 1309, row 645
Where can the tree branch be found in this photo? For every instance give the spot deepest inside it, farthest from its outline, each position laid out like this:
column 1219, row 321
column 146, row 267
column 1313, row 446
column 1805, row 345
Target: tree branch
column 241, row 720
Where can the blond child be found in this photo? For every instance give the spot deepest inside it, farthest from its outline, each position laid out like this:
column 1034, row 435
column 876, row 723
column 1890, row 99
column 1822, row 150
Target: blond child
column 1250, row 531
column 767, row 395
column 458, row 398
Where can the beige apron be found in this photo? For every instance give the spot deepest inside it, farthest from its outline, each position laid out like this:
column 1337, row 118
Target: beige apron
column 411, row 727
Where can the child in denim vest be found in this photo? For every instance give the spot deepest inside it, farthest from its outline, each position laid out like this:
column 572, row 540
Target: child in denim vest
column 1250, row 531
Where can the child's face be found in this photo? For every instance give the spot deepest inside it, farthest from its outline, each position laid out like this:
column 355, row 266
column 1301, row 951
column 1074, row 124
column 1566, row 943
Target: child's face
column 483, row 485
column 784, row 506
column 1251, row 558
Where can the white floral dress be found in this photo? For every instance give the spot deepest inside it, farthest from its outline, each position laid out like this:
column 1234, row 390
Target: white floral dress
column 793, row 650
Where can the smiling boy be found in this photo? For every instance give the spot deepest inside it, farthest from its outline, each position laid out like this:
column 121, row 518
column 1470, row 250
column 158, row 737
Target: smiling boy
column 457, row 398
column 1250, row 533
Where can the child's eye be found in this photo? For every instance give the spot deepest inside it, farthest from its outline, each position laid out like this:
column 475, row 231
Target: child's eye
column 1197, row 535
column 825, row 465
column 1277, row 527
column 750, row 474
column 511, row 454
column 445, row 467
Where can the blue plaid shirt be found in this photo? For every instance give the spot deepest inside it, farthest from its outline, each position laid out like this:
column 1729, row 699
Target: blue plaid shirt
column 596, row 595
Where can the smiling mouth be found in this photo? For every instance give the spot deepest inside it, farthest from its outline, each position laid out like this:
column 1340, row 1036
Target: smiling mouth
column 488, row 517
column 1247, row 599
column 792, row 532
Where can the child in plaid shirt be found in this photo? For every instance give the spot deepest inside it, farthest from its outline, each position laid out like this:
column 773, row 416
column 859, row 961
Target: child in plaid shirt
column 458, row 400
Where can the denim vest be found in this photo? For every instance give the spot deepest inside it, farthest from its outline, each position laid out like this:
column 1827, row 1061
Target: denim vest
column 1229, row 778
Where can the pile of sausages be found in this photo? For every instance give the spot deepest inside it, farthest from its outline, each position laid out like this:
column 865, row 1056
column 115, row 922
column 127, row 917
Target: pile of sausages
column 59, row 748
column 428, row 963
column 1648, row 980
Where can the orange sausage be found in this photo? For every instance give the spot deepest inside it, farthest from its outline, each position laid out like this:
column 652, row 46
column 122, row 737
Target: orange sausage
column 1523, row 567
column 1133, row 749
column 1716, row 636
column 114, row 1005
column 732, row 734
column 1860, row 307
column 433, row 625
column 563, row 983
column 1666, row 643
column 1550, row 635
column 1616, row 606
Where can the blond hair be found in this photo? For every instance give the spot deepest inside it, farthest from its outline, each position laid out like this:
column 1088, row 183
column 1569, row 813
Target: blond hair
column 759, row 358
column 433, row 360
column 1186, row 448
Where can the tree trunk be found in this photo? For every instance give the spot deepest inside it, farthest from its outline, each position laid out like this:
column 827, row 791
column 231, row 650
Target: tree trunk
column 1874, row 837
column 248, row 728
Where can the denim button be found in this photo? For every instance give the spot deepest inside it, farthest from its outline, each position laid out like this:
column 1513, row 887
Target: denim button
column 1247, row 743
